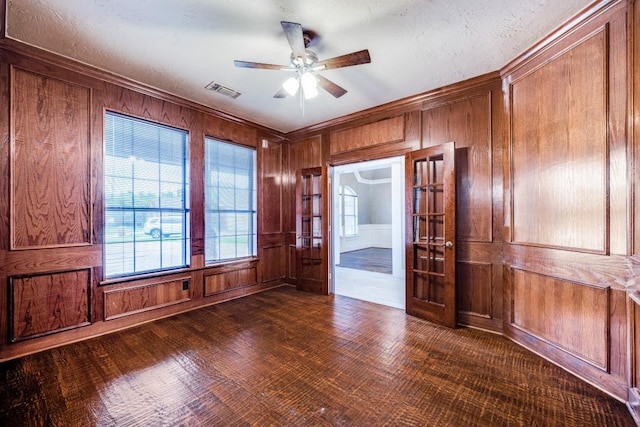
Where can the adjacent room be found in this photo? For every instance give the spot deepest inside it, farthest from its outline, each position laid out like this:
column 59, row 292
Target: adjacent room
column 368, row 237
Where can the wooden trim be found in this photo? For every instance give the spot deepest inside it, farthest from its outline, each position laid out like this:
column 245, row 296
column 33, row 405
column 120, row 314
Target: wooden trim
column 124, row 82
column 573, row 24
column 393, row 108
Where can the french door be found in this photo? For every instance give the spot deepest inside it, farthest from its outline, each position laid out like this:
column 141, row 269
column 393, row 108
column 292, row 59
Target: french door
column 311, row 229
column 430, row 234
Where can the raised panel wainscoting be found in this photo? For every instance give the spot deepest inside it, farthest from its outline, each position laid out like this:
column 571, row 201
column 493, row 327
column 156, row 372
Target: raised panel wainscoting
column 136, row 298
column 44, row 304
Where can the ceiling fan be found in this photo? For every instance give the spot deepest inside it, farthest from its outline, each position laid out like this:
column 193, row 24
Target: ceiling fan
column 306, row 65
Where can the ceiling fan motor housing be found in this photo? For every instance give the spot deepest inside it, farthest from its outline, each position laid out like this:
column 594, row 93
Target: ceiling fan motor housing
column 309, row 59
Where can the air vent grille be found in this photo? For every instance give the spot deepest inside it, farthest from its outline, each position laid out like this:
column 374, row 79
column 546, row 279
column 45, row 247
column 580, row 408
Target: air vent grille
column 223, row 90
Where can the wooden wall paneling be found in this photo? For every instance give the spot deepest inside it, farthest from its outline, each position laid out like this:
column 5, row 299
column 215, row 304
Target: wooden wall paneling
column 50, row 259
column 468, row 123
column 598, row 313
column 4, row 195
column 3, row 21
column 291, row 262
column 226, row 130
column 559, row 151
column 407, row 106
column 472, row 117
column 136, row 104
column 227, row 279
column 634, row 341
column 387, row 137
column 136, row 298
column 498, row 142
column 306, row 153
column 620, row 196
column 49, row 161
column 196, row 188
column 386, row 131
column 97, row 201
column 23, row 263
column 633, row 302
column 273, row 261
column 4, row 157
column 634, row 119
column 46, row 303
column 271, row 174
column 474, row 281
column 591, row 56
column 618, row 345
column 567, row 196
column 571, row 316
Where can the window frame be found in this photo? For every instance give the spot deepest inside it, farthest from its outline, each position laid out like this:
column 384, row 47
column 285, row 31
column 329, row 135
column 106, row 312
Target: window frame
column 342, row 211
column 252, row 210
column 183, row 211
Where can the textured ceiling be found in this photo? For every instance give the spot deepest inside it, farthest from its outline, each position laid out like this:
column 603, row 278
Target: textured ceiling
column 179, row 46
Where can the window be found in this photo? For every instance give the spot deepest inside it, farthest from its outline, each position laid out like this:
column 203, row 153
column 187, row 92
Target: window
column 348, row 212
column 146, row 191
column 230, row 201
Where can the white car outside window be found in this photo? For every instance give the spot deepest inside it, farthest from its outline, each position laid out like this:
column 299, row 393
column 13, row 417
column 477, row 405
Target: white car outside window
column 168, row 225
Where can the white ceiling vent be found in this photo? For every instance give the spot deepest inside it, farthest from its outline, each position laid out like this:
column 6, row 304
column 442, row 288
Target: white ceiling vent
column 223, row 90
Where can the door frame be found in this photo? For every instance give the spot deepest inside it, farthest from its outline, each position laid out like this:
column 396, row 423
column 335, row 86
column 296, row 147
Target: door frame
column 397, row 165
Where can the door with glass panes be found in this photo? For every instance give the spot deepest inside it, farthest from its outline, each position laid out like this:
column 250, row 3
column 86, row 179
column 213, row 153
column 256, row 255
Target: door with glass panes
column 430, row 234
column 311, row 250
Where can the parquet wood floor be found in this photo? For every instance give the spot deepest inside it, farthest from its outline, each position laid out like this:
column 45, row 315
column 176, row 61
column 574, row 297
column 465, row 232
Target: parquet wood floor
column 287, row 358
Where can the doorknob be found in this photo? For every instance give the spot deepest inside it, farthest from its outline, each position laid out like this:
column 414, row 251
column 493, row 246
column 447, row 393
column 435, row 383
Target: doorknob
column 448, row 244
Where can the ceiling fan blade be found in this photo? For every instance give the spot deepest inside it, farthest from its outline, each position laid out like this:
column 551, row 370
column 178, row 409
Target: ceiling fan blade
column 294, row 35
column 248, row 64
column 355, row 58
column 281, row 93
column 330, row 86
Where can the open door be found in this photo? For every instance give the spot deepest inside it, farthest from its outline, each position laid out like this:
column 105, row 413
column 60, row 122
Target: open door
column 430, row 234
column 311, row 230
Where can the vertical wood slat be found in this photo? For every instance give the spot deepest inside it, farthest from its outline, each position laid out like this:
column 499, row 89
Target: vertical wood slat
column 49, row 162
column 47, row 303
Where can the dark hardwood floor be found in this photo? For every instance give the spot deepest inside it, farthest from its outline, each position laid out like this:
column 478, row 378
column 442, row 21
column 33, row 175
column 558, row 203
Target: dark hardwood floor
column 370, row 259
column 288, row 358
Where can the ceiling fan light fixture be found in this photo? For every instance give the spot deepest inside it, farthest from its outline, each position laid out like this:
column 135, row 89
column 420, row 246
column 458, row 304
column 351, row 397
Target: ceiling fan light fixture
column 309, row 85
column 305, row 64
column 291, row 85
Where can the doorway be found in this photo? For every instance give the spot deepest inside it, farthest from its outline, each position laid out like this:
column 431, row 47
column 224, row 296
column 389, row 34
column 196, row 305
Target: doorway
column 367, row 232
